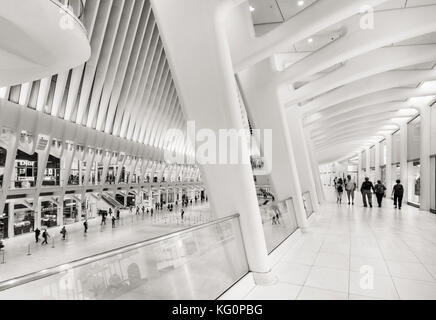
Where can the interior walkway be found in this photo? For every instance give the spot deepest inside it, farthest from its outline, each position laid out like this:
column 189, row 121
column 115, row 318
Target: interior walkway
column 345, row 243
column 130, row 229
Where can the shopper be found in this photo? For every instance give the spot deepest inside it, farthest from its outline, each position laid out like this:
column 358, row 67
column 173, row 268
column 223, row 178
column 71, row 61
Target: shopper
column 103, row 218
column 85, row 226
column 398, row 193
column 380, row 192
column 37, row 233
column 366, row 188
column 339, row 190
column 45, row 236
column 64, row 232
column 350, row 187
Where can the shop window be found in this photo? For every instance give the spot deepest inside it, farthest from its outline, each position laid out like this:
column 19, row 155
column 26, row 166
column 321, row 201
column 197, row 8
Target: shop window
column 3, row 153
column 383, row 174
column 74, row 179
column 70, row 213
column 52, row 172
column 24, row 219
column 25, row 170
column 49, row 214
column 414, row 182
column 4, row 222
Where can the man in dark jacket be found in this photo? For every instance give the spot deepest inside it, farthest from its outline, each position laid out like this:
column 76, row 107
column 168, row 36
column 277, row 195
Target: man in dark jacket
column 366, row 188
column 398, row 193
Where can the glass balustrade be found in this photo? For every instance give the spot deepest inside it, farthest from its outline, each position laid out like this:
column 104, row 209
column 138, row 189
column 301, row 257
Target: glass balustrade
column 201, row 262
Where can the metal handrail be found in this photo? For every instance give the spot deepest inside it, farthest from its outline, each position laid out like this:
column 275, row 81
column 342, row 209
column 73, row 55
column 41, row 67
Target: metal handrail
column 18, row 281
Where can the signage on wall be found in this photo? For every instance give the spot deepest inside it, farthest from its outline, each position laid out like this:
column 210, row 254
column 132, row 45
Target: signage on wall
column 42, row 143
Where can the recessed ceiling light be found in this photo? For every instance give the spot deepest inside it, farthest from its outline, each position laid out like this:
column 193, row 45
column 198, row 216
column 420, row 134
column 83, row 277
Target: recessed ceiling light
column 300, row 3
column 310, row 40
column 252, row 8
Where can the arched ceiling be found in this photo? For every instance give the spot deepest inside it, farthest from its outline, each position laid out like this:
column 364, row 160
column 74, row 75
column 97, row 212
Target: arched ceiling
column 125, row 88
column 351, row 82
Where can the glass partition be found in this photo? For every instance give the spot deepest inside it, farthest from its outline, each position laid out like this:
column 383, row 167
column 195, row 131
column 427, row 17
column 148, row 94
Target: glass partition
column 197, row 263
column 414, row 182
column 278, row 220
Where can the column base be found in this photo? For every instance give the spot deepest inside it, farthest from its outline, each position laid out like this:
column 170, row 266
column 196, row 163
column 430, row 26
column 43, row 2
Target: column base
column 305, row 229
column 264, row 279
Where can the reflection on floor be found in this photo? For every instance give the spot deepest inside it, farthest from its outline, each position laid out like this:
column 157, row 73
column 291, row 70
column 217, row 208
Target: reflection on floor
column 359, row 253
column 130, row 229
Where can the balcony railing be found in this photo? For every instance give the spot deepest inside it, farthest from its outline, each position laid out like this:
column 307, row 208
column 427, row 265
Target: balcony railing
column 200, row 262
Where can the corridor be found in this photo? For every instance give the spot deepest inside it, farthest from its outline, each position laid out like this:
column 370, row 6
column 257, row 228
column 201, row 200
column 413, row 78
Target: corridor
column 344, row 244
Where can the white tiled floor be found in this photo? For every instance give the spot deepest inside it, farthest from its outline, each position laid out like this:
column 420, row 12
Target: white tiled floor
column 332, row 260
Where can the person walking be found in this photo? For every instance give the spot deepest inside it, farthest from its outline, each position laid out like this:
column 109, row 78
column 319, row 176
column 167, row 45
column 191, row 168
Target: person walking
column 37, row 233
column 113, row 222
column 85, row 226
column 380, row 192
column 45, row 236
column 366, row 188
column 110, row 211
column 350, row 187
column 118, row 214
column 182, row 213
column 339, row 190
column 63, row 233
column 398, row 193
column 103, row 218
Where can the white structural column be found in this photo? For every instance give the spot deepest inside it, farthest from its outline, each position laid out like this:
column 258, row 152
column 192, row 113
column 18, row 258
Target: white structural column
column 301, row 155
column 315, row 168
column 201, row 65
column 403, row 160
column 377, row 162
column 367, row 163
column 425, row 160
column 389, row 163
column 262, row 99
column 359, row 170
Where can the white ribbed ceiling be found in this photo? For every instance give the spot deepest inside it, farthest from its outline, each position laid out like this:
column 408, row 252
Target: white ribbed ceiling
column 125, row 89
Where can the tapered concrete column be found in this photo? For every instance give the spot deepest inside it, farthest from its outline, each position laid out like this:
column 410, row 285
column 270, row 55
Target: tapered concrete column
column 200, row 61
column 425, row 161
column 359, row 170
column 262, row 97
column 315, row 168
column 389, row 164
column 377, row 162
column 403, row 160
column 368, row 162
column 301, row 155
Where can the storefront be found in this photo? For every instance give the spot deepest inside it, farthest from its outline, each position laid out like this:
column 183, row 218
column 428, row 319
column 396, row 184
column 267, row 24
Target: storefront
column 414, row 183
column 413, row 161
column 49, row 214
column 433, row 185
column 24, row 219
column 3, row 153
column 25, row 170
column 383, row 174
column 52, row 172
column 4, row 222
column 396, row 173
column 71, row 211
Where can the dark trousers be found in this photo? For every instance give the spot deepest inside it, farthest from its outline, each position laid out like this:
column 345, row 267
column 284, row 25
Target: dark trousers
column 366, row 194
column 398, row 200
column 379, row 199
